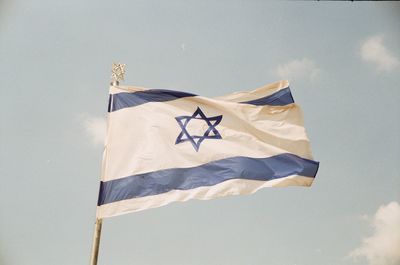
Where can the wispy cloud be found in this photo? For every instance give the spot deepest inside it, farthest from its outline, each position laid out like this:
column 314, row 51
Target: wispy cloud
column 95, row 128
column 383, row 246
column 374, row 51
column 298, row 69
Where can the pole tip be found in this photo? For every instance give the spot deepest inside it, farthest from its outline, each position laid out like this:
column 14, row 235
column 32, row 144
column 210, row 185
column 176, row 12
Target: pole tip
column 117, row 73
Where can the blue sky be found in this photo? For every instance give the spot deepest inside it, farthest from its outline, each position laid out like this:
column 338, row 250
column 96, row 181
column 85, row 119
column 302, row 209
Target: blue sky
column 342, row 59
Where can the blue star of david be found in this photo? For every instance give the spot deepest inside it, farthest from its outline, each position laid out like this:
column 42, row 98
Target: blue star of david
column 196, row 140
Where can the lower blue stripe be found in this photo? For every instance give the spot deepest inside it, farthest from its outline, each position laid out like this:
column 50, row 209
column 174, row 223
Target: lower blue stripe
column 209, row 174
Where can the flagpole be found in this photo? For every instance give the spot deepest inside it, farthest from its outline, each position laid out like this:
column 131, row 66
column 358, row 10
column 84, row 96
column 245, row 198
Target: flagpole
column 96, row 241
column 118, row 71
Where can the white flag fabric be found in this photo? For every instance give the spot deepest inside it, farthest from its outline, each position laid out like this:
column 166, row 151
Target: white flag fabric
column 164, row 146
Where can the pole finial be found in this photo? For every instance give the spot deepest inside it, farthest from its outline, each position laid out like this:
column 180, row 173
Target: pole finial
column 117, row 73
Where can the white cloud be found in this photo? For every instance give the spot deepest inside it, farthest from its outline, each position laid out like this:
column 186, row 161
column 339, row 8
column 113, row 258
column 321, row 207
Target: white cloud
column 383, row 246
column 298, row 69
column 374, row 51
column 95, row 128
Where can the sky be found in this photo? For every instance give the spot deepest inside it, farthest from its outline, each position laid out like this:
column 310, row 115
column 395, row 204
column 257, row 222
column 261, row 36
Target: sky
column 343, row 63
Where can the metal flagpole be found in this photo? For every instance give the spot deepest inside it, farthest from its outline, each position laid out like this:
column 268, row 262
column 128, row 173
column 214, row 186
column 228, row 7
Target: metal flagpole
column 118, row 71
column 96, row 241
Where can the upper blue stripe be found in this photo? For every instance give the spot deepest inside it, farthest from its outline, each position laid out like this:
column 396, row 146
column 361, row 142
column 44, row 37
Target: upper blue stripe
column 209, row 174
column 125, row 99
column 280, row 98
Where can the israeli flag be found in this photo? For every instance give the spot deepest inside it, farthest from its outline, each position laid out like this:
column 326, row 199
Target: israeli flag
column 164, row 146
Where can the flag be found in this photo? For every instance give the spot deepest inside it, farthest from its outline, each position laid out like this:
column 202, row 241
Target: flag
column 164, row 146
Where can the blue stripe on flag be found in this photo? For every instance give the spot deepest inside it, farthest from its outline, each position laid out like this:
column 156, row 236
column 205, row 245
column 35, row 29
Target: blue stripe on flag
column 281, row 98
column 126, row 100
column 209, row 174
